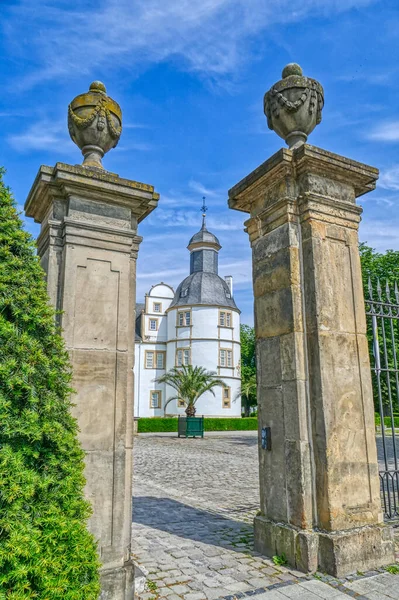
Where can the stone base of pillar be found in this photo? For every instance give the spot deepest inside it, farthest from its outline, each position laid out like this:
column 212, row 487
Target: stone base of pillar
column 337, row 553
column 117, row 583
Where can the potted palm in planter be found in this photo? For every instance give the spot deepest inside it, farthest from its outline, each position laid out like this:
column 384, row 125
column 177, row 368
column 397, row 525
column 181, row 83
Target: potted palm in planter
column 190, row 383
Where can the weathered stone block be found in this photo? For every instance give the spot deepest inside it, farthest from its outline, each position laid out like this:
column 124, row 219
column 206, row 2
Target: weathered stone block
column 357, row 550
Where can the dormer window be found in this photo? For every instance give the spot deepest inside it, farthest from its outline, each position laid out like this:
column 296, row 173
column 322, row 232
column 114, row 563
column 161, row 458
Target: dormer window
column 228, row 295
column 184, row 293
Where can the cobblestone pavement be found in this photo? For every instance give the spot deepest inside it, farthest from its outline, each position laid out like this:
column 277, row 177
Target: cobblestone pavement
column 194, row 503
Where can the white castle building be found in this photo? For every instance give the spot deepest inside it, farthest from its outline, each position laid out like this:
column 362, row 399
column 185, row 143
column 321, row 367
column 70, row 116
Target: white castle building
column 197, row 325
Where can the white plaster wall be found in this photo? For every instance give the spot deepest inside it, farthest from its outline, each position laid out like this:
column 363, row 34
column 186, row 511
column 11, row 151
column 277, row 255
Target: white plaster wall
column 144, row 382
column 152, row 340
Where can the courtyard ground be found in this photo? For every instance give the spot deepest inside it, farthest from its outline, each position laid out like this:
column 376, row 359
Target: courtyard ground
column 194, row 503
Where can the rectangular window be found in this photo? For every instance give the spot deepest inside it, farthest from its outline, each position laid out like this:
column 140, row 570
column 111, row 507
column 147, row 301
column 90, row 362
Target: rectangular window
column 157, row 307
column 225, row 358
column 153, row 324
column 160, row 360
column 155, row 399
column 154, row 360
column 183, row 357
column 180, row 403
column 225, row 319
column 149, row 360
column 226, row 397
column 184, row 318
column 222, row 358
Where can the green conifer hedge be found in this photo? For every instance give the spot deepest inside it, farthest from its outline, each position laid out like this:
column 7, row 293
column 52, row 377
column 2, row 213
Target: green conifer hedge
column 46, row 551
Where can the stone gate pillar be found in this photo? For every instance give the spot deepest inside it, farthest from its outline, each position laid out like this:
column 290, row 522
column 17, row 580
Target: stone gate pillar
column 88, row 247
column 320, row 496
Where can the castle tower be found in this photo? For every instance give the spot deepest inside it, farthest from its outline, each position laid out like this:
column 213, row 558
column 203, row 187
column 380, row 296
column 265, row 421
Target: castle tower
column 199, row 325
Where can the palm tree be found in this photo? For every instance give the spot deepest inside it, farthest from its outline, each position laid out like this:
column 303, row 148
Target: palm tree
column 190, row 384
column 248, row 394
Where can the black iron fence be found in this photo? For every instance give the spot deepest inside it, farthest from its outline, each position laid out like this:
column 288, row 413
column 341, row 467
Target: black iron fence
column 382, row 310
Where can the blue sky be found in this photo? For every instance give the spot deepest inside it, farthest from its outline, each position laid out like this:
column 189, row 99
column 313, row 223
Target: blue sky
column 190, row 78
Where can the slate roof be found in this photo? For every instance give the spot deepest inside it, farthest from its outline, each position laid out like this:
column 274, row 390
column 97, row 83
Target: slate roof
column 203, row 235
column 203, row 288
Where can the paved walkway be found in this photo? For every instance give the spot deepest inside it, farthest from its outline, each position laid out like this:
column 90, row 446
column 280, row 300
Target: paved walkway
column 194, row 503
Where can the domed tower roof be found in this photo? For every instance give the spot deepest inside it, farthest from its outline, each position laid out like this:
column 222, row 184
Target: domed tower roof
column 203, row 285
column 203, row 288
column 203, row 235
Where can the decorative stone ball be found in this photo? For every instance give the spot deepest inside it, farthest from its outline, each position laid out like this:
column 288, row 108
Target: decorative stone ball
column 291, row 69
column 98, row 86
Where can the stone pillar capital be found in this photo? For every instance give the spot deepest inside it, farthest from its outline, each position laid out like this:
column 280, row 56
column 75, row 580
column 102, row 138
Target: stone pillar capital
column 58, row 185
column 305, row 183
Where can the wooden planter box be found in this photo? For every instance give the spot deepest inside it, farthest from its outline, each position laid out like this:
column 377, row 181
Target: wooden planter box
column 190, row 427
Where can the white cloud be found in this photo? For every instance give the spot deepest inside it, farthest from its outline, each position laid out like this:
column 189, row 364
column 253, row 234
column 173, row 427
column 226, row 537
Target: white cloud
column 43, row 135
column 210, row 37
column 8, row 114
column 385, row 132
column 196, row 186
column 379, row 78
column 156, row 276
column 192, row 219
column 381, row 235
column 389, row 178
column 135, row 126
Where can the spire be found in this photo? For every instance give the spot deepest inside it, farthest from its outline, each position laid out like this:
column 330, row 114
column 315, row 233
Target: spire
column 204, row 208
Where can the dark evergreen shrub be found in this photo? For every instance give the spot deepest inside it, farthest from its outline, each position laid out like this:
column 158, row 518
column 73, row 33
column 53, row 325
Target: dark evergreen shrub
column 46, row 551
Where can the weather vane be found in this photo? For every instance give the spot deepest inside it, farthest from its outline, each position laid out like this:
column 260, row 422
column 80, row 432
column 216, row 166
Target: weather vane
column 204, row 207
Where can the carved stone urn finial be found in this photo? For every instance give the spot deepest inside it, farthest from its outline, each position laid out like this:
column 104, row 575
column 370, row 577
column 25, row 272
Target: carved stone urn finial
column 94, row 124
column 293, row 106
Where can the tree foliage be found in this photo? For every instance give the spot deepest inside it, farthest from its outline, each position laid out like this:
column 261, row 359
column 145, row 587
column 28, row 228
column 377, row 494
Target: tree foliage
column 248, row 368
column 190, row 383
column 382, row 270
column 248, row 360
column 376, row 265
column 46, row 551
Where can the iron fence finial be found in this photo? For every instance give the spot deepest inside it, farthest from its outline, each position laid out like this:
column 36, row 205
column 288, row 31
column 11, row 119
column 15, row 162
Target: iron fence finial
column 379, row 290
column 388, row 291
column 370, row 288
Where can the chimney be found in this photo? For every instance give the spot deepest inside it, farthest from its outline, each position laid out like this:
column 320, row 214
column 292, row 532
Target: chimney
column 229, row 280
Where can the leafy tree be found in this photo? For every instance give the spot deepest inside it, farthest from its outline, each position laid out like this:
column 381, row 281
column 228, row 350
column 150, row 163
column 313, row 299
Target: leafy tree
column 46, row 551
column 382, row 270
column 375, row 265
column 190, row 384
column 248, row 394
column 248, row 368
